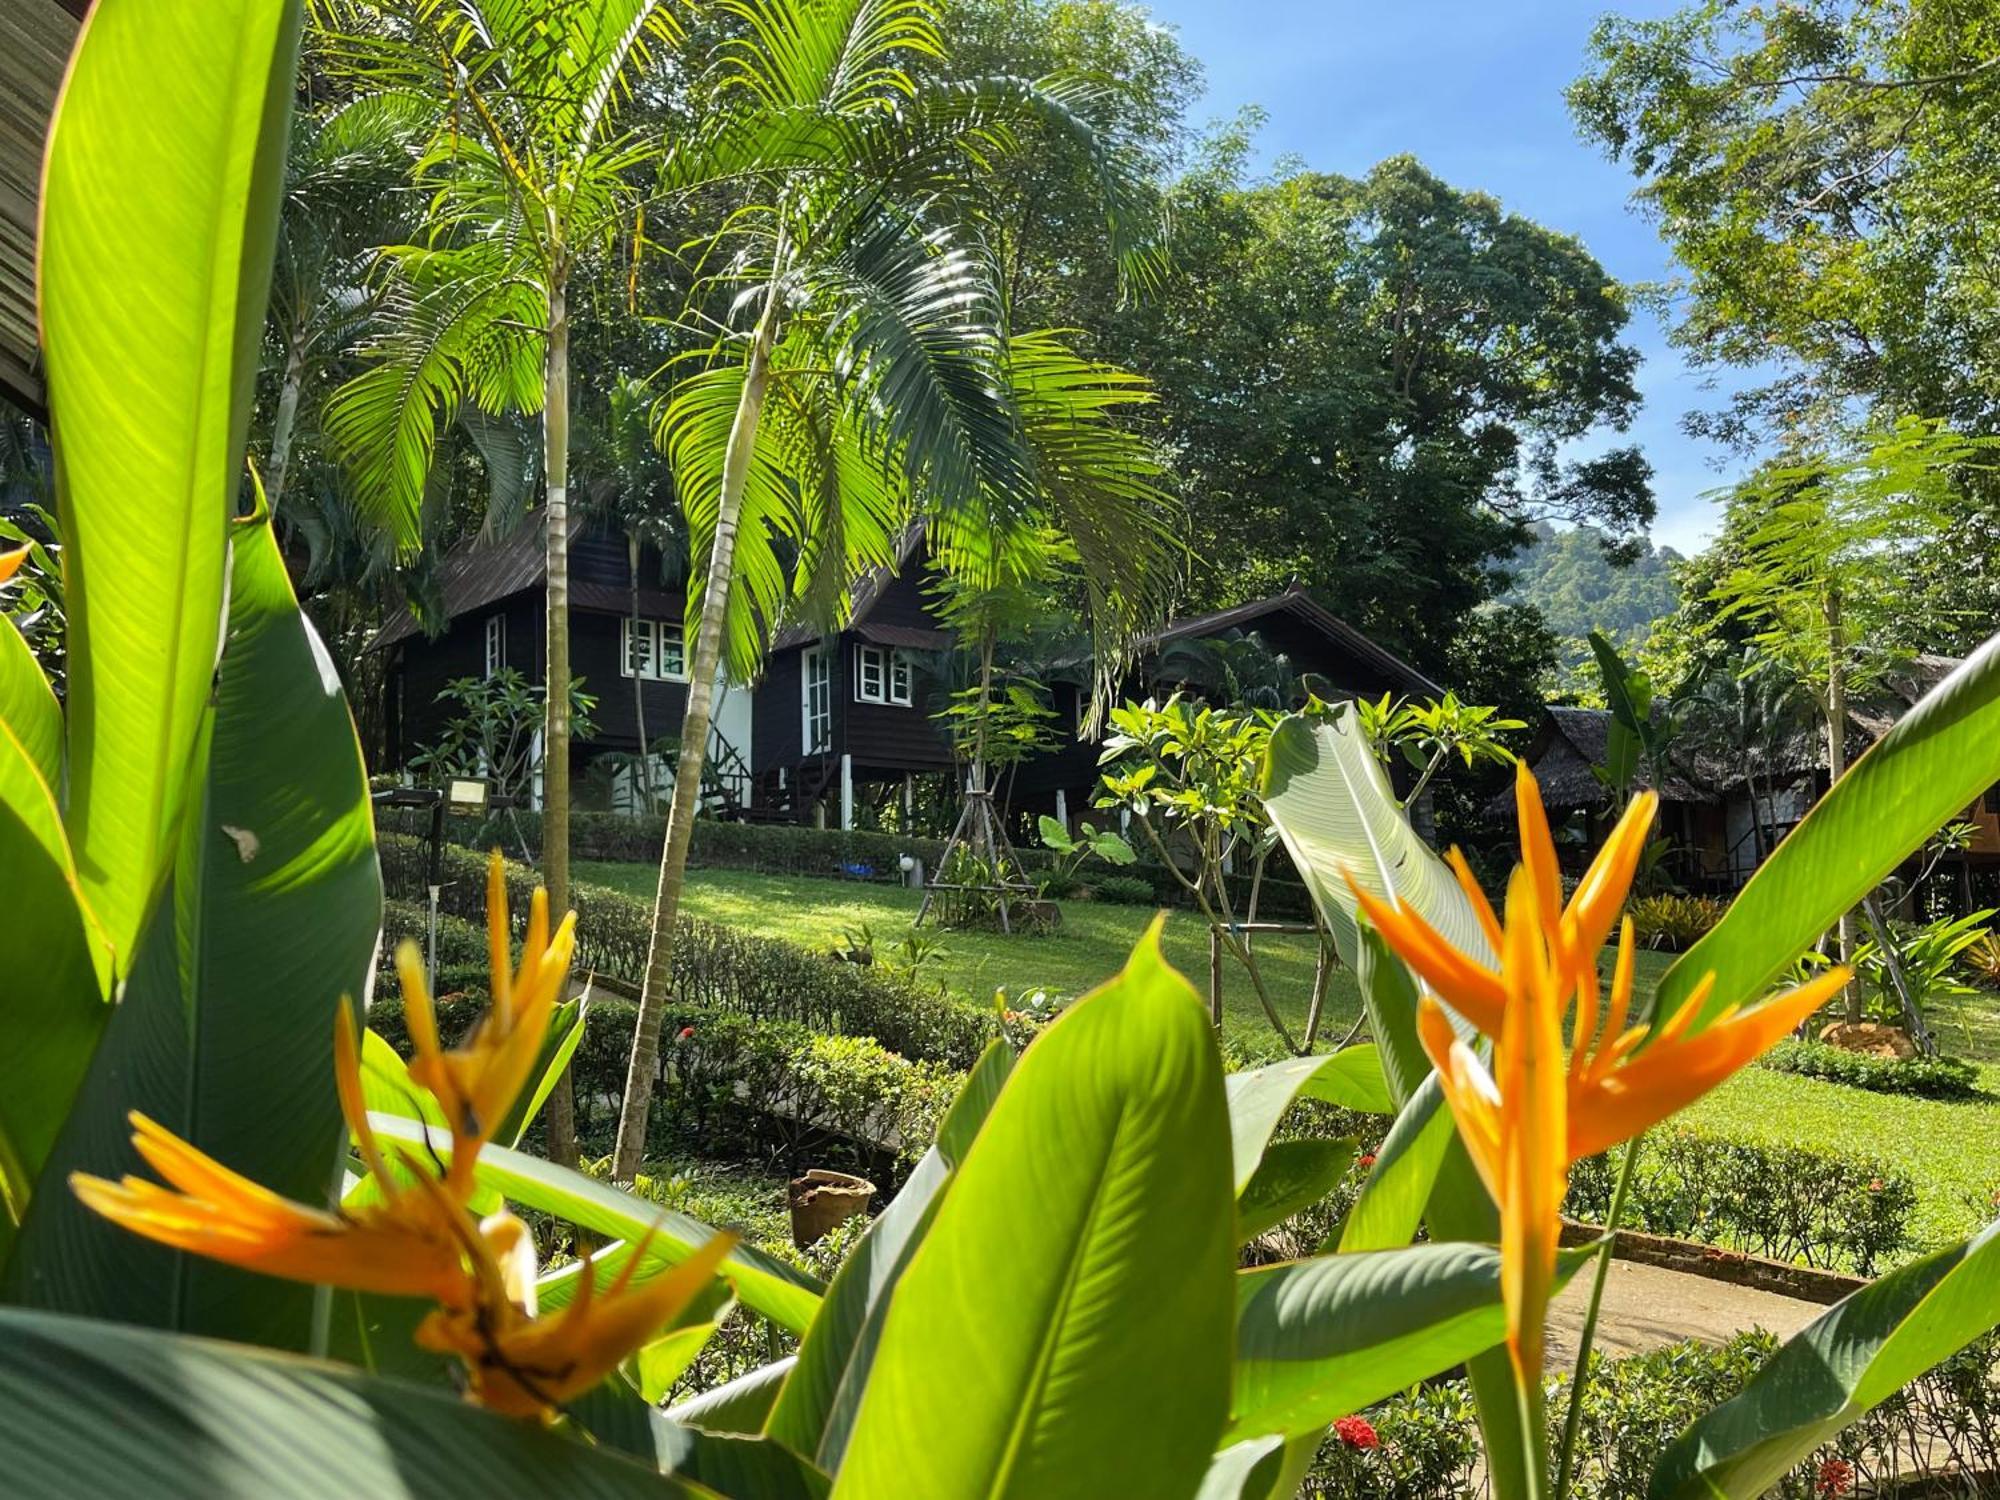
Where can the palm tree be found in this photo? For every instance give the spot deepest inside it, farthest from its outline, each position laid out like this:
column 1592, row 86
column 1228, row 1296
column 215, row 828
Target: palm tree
column 875, row 367
column 530, row 176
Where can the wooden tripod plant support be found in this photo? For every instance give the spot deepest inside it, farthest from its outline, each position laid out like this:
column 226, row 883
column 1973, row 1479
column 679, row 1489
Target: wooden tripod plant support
column 980, row 835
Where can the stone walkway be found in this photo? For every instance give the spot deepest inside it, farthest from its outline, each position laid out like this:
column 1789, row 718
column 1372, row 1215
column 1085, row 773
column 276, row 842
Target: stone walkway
column 1649, row 1307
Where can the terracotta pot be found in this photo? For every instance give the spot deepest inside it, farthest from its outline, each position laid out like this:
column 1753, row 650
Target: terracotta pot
column 821, row 1199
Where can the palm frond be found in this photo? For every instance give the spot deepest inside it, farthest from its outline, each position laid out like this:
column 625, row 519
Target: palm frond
column 834, row 57
column 458, row 325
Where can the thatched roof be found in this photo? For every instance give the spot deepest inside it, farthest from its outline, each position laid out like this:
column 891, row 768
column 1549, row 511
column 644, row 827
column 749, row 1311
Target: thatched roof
column 1567, row 748
column 1572, row 741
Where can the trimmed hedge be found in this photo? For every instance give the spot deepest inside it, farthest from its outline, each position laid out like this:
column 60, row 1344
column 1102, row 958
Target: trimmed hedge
column 1925, row 1077
column 1798, row 1203
column 764, row 1085
column 714, row 968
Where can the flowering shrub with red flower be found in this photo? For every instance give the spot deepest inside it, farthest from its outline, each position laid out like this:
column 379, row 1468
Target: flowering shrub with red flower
column 1836, row 1477
column 1357, row 1432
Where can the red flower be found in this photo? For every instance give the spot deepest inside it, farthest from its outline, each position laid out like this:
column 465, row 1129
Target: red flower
column 1357, row 1432
column 685, row 1033
column 1836, row 1477
column 1365, row 1160
column 1875, row 1185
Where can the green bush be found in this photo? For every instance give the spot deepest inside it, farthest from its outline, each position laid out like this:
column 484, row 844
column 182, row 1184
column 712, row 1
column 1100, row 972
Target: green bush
column 1926, row 1077
column 1126, row 890
column 1797, row 1203
column 734, row 1086
column 1674, row 923
column 714, row 968
column 1424, row 1445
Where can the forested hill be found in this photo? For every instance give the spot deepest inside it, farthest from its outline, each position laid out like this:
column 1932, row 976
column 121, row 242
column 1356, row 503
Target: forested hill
column 1566, row 575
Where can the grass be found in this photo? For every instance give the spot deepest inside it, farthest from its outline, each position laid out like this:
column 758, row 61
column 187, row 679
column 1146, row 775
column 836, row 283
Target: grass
column 1952, row 1150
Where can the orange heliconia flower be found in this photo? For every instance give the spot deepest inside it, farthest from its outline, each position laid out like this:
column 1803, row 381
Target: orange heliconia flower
column 1545, row 1104
column 419, row 1237
column 10, row 562
column 477, row 1082
column 523, row 1365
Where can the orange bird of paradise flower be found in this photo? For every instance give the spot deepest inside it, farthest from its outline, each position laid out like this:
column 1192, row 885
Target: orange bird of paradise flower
column 420, row 1238
column 1538, row 1111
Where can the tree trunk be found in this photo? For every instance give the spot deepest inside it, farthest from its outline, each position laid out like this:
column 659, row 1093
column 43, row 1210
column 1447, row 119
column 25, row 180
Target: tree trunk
column 1836, row 760
column 282, row 427
column 639, row 687
column 644, row 1067
column 555, row 739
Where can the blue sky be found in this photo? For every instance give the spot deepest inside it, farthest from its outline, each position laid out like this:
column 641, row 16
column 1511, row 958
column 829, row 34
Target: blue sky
column 1475, row 91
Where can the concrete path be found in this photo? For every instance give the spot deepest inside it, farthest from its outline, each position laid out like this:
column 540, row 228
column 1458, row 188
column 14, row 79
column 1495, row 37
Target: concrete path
column 1648, row 1307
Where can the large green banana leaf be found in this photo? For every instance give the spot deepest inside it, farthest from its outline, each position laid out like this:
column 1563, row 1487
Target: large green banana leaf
column 225, row 1031
column 1332, row 805
column 1095, row 1207
column 51, row 1010
column 783, row 1293
column 102, row 1409
column 1924, row 772
column 1852, row 1357
column 28, row 706
column 1320, row 1338
column 815, row 1411
column 1259, row 1097
column 159, row 216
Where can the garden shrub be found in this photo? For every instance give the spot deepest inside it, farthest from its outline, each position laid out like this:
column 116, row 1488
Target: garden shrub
column 1673, row 922
column 1423, row 1445
column 1804, row 1204
column 1125, row 890
column 1925, row 1077
column 736, row 1086
column 714, row 968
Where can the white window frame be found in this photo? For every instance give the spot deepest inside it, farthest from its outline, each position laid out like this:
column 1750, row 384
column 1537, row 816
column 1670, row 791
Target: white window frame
column 816, row 719
column 652, row 649
column 871, row 662
column 883, row 675
column 496, row 644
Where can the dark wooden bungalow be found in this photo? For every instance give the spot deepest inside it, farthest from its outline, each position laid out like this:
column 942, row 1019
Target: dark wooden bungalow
column 1719, row 825
column 495, row 609
column 842, row 715
column 1316, row 643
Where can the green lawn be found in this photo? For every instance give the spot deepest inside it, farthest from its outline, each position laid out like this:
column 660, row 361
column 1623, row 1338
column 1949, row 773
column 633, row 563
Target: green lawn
column 1953, row 1150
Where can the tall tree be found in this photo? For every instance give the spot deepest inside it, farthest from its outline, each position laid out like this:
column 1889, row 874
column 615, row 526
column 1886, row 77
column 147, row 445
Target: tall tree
column 530, row 177
column 1830, row 540
column 876, row 367
column 1823, row 171
column 1370, row 385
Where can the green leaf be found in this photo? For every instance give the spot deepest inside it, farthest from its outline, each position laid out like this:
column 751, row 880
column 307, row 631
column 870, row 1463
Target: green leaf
column 740, row 1466
column 225, row 1031
column 1293, row 1176
column 1631, row 700
column 742, row 1405
column 1259, row 1097
column 1400, row 1184
column 159, row 215
column 1851, row 1358
column 1260, row 1468
column 1924, row 772
column 51, row 1012
column 1318, row 1339
column 780, row 1292
column 565, row 1033
column 1332, row 805
column 815, row 1412
column 28, row 707
column 1097, row 1202
column 99, row 1409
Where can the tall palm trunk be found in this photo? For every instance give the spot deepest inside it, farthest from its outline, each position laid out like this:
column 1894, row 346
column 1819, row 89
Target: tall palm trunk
column 283, row 424
column 1836, row 759
column 555, row 739
column 645, row 1063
